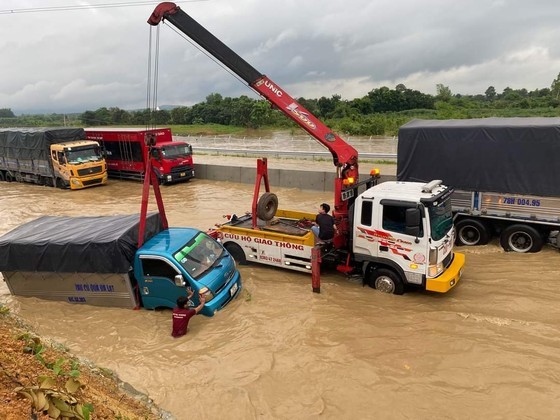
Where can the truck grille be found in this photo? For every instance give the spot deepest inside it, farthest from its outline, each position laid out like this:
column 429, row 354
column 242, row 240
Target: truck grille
column 89, row 171
column 92, row 182
column 182, row 168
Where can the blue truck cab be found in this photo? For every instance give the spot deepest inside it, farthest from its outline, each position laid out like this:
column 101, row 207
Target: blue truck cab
column 178, row 258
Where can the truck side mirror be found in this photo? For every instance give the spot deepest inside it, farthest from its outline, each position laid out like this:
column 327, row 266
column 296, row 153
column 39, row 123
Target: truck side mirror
column 155, row 153
column 179, row 281
column 413, row 220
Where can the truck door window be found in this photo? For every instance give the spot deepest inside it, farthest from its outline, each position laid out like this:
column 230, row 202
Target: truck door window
column 60, row 158
column 367, row 213
column 152, row 267
column 394, row 219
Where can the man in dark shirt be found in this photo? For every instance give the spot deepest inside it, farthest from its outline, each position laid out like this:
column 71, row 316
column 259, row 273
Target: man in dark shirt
column 324, row 227
column 182, row 315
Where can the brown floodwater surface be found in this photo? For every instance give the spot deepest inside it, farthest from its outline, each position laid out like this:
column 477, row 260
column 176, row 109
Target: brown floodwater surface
column 489, row 349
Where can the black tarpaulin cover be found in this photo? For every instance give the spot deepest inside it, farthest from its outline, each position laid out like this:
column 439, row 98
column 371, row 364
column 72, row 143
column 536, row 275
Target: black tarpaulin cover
column 34, row 143
column 100, row 244
column 504, row 155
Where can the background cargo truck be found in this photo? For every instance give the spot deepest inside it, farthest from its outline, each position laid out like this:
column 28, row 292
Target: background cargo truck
column 505, row 173
column 96, row 261
column 125, row 152
column 60, row 157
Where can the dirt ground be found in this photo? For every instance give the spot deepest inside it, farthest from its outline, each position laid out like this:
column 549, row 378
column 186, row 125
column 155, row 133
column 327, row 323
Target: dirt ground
column 25, row 361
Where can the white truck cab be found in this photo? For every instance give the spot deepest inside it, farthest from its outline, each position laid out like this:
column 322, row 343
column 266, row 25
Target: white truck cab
column 403, row 233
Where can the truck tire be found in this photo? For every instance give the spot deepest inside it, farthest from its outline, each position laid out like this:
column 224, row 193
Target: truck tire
column 472, row 232
column 267, row 206
column 386, row 281
column 9, row 177
column 1, row 176
column 236, row 252
column 521, row 238
column 60, row 183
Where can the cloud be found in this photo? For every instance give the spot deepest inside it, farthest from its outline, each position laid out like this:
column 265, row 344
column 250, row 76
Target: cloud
column 85, row 59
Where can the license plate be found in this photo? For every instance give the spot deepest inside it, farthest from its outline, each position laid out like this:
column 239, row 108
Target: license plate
column 233, row 289
column 182, row 174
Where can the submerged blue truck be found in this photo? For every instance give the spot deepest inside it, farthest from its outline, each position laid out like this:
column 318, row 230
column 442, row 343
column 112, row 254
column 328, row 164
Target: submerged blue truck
column 96, row 261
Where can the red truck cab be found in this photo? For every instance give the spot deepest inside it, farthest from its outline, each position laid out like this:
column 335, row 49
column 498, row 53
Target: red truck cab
column 125, row 153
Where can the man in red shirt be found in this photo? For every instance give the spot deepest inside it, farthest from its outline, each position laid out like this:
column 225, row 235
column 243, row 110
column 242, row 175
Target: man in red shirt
column 182, row 315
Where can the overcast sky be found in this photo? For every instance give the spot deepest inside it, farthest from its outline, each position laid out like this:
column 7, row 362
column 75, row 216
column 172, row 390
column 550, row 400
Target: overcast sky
column 77, row 60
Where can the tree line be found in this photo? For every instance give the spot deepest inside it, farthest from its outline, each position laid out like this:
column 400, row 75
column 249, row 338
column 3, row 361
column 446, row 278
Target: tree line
column 380, row 112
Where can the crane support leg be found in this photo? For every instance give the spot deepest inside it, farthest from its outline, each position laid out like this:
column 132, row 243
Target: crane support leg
column 316, row 269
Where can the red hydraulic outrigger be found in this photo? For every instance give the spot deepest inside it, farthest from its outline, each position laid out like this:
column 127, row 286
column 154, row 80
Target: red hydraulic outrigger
column 150, row 178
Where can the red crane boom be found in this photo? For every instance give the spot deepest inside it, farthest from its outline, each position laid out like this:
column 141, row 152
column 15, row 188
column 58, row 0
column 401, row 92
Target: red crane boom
column 345, row 157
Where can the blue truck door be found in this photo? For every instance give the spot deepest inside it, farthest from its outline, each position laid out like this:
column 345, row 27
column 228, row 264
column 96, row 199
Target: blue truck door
column 157, row 283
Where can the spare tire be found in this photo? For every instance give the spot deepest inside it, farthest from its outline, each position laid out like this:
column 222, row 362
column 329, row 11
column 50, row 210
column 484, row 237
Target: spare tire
column 267, row 206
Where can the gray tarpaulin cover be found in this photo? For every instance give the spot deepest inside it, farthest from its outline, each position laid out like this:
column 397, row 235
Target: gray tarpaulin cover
column 101, row 244
column 504, row 155
column 34, row 143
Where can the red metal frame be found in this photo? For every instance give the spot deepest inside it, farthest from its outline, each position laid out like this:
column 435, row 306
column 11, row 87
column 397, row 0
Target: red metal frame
column 150, row 178
column 262, row 174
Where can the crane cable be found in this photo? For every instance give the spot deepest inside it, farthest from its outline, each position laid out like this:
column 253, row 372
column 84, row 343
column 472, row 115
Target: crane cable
column 152, row 107
column 214, row 59
column 152, row 84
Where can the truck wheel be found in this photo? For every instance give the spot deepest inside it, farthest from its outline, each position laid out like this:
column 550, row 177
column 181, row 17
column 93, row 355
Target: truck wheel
column 267, row 206
column 1, row 176
column 521, row 238
column 472, row 232
column 386, row 281
column 8, row 177
column 236, row 252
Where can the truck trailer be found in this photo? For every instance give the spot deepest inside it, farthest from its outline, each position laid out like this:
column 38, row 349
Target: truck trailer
column 126, row 152
column 96, row 260
column 392, row 235
column 59, row 157
column 504, row 171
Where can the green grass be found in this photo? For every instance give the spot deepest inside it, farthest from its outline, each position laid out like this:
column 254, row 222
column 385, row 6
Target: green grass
column 216, row 130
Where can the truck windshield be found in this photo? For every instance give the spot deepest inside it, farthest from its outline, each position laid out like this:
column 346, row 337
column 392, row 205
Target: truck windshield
column 175, row 151
column 83, row 154
column 441, row 219
column 199, row 254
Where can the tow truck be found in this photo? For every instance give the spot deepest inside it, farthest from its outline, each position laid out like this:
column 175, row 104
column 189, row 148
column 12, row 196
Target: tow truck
column 395, row 235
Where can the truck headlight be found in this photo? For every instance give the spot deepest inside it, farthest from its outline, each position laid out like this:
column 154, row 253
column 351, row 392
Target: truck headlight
column 207, row 293
column 75, row 182
column 435, row 269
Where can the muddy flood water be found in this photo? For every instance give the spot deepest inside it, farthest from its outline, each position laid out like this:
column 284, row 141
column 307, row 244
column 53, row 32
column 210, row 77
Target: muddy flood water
column 489, row 349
